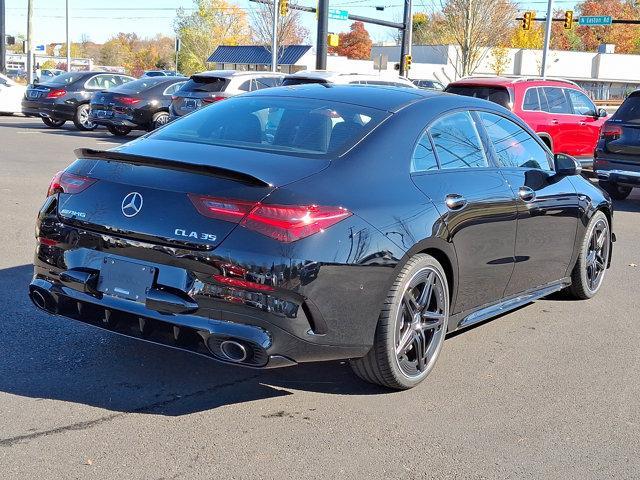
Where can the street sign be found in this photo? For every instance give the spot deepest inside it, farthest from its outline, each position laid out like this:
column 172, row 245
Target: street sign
column 338, row 14
column 380, row 62
column 39, row 48
column 595, row 21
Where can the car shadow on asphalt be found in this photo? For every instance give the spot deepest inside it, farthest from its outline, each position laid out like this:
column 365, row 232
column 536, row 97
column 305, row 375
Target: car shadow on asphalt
column 69, row 130
column 48, row 357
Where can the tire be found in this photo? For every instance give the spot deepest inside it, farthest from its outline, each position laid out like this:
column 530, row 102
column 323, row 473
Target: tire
column 616, row 191
column 591, row 266
column 388, row 363
column 81, row 118
column 118, row 131
column 53, row 123
column 159, row 119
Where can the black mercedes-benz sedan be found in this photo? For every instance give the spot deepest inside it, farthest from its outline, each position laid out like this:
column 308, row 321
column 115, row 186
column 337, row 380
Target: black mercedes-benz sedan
column 316, row 222
column 67, row 96
column 141, row 105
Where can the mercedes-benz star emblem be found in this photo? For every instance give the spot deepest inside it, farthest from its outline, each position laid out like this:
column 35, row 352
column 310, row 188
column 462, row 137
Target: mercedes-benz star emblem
column 132, row 204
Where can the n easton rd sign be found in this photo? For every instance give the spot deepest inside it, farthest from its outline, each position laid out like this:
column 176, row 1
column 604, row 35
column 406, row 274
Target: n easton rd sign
column 338, row 14
column 595, row 21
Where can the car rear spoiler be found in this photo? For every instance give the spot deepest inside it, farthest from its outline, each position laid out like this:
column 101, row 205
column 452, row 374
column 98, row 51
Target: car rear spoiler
column 211, row 170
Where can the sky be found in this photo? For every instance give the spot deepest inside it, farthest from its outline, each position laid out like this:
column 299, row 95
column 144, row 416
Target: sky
column 100, row 19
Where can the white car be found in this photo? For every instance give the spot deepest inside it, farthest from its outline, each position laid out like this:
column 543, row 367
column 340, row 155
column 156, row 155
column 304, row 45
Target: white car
column 11, row 95
column 324, row 76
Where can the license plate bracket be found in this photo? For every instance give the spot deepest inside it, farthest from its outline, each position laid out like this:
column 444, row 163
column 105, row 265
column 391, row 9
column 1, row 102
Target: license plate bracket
column 127, row 280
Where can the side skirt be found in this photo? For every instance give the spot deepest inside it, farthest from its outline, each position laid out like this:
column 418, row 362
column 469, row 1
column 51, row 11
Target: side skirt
column 466, row 319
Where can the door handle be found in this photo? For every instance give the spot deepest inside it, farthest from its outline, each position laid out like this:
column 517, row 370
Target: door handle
column 455, row 201
column 526, row 194
column 583, row 123
column 554, row 121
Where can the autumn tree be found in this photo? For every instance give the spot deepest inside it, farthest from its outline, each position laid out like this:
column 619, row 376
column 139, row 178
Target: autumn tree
column 355, row 44
column 529, row 39
column 290, row 28
column 210, row 24
column 476, row 26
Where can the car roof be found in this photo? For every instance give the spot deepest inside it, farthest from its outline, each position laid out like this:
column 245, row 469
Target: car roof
column 234, row 73
column 379, row 97
column 505, row 81
column 336, row 76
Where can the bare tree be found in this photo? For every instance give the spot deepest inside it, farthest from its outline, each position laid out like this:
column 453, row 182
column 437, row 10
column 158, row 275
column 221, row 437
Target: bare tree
column 476, row 26
column 290, row 29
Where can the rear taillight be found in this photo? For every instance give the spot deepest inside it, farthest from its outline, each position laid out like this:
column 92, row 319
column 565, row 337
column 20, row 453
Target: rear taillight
column 128, row 100
column 63, row 182
column 56, row 93
column 285, row 223
column 610, row 132
column 217, row 98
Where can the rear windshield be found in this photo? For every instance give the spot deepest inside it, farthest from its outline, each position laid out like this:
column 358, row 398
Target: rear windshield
column 284, row 125
column 65, row 78
column 499, row 95
column 301, row 81
column 138, row 86
column 205, row 84
column 629, row 111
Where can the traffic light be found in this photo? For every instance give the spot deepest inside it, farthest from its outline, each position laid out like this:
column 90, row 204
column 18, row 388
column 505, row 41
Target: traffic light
column 526, row 20
column 407, row 62
column 333, row 40
column 284, row 7
column 568, row 19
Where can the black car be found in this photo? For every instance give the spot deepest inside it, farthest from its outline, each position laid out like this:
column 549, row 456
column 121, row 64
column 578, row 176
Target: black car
column 67, row 97
column 617, row 157
column 141, row 104
column 366, row 225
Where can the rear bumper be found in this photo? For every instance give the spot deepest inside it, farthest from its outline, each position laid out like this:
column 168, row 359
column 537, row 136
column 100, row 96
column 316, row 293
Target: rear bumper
column 50, row 110
column 620, row 177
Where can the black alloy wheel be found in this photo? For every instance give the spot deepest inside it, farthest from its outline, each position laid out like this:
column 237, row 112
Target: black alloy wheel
column 591, row 266
column 411, row 328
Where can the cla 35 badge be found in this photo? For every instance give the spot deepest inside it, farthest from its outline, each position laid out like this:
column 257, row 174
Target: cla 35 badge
column 132, row 204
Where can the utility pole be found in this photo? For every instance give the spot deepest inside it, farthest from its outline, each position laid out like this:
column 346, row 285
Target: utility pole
column 547, row 39
column 405, row 46
column 3, row 39
column 30, row 41
column 68, row 40
column 274, row 37
column 323, row 32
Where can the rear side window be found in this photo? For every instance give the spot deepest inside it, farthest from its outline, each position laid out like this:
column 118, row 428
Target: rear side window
column 582, row 105
column 283, row 125
column 171, row 89
column 531, row 100
column 499, row 95
column 457, row 142
column 424, row 158
column 205, row 84
column 514, row 146
column 629, row 111
column 557, row 100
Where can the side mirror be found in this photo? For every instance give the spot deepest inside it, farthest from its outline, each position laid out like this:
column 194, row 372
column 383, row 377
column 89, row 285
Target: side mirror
column 602, row 113
column 566, row 165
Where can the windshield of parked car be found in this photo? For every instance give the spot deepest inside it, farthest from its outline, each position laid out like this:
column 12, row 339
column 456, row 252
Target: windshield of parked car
column 304, row 127
column 629, row 111
column 65, row 78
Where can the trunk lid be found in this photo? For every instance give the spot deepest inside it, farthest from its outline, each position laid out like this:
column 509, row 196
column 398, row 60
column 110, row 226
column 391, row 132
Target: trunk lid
column 145, row 191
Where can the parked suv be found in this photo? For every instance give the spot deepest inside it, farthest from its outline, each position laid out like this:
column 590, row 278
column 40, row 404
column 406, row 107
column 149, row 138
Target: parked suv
column 67, row 97
column 617, row 156
column 559, row 111
column 209, row 87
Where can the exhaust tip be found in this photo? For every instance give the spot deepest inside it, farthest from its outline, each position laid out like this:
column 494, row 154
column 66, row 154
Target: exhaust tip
column 42, row 299
column 233, row 351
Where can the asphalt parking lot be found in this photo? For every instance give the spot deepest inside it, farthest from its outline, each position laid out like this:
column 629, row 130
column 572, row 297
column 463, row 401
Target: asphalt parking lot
column 549, row 391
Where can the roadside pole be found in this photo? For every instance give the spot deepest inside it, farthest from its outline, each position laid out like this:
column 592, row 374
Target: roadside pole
column 68, row 40
column 29, row 41
column 274, row 37
column 405, row 44
column 3, row 39
column 547, row 39
column 322, row 48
